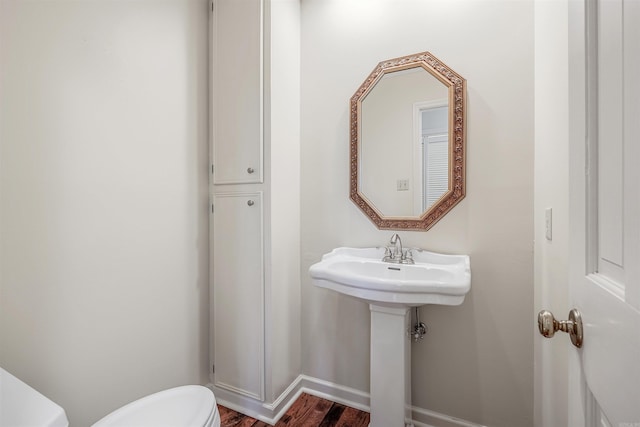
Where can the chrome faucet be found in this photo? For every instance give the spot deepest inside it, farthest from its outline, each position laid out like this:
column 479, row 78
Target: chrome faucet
column 397, row 255
column 396, row 242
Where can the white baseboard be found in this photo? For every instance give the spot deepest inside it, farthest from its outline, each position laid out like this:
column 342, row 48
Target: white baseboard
column 336, row 393
column 270, row 413
column 426, row 418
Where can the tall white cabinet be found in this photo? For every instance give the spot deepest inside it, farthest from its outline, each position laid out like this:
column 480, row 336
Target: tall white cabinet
column 255, row 197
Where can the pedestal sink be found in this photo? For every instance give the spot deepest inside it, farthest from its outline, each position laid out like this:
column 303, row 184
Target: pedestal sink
column 391, row 289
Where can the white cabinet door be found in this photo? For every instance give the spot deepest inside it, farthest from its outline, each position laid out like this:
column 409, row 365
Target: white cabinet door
column 238, row 293
column 237, row 91
column 605, row 213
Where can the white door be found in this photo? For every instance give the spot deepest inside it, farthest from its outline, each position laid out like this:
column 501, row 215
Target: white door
column 604, row 208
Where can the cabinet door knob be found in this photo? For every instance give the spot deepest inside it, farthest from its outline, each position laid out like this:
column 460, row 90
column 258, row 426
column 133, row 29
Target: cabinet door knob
column 250, row 170
column 250, row 203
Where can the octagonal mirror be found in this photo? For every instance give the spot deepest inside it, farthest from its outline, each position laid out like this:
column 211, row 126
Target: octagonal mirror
column 408, row 142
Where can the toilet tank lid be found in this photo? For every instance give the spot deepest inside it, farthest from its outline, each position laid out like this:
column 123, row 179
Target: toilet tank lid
column 188, row 406
column 22, row 405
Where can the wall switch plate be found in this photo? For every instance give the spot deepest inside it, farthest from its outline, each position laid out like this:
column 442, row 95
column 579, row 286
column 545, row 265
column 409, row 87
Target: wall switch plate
column 548, row 223
column 402, row 185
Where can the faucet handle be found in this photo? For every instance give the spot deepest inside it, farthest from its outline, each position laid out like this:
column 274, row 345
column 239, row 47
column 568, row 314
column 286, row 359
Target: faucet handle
column 407, row 257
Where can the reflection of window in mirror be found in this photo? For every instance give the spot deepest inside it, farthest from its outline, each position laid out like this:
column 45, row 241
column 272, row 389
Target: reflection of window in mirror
column 431, row 154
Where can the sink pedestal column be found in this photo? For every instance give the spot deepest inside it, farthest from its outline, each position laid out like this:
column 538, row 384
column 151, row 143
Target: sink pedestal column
column 390, row 374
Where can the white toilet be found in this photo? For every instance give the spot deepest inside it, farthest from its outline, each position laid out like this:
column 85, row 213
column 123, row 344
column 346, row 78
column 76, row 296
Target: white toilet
column 185, row 406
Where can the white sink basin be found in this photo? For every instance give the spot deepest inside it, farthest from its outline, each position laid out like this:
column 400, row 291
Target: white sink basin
column 361, row 273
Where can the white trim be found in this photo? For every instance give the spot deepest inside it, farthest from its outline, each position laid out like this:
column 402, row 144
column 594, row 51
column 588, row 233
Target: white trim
column 608, row 284
column 336, row 393
column 426, row 418
column 270, row 413
column 282, row 404
column 236, row 390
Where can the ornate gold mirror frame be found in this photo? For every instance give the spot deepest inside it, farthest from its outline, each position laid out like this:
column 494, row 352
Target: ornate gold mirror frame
column 456, row 185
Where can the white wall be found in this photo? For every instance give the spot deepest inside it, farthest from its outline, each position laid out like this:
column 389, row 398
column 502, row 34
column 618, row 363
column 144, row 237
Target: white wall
column 103, row 192
column 476, row 362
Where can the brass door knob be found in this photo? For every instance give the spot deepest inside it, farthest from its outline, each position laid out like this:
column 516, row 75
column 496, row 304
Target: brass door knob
column 548, row 325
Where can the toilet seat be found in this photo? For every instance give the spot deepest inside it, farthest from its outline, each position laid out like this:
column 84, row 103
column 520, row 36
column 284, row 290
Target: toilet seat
column 185, row 406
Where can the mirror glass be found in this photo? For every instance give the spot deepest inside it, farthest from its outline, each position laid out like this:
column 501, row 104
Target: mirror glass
column 404, row 145
column 407, row 142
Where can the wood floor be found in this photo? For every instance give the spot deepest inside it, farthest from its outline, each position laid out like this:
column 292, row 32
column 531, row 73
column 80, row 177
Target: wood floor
column 307, row 411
